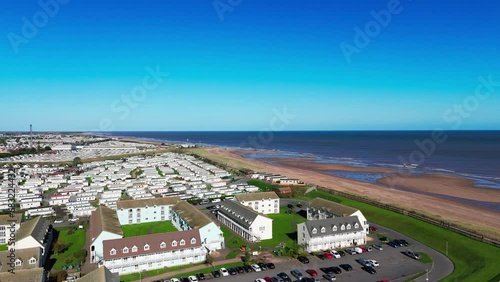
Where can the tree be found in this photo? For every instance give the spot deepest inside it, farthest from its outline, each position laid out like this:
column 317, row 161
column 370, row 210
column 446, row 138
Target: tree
column 246, row 259
column 209, row 259
column 61, row 247
column 295, row 250
column 77, row 161
column 61, row 276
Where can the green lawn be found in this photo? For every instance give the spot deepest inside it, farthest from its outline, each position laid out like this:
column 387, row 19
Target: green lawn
column 3, row 247
column 154, row 272
column 77, row 240
column 148, row 228
column 263, row 186
column 284, row 228
column 424, row 258
column 473, row 260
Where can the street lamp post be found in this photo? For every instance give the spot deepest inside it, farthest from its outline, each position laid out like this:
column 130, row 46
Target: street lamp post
column 427, row 275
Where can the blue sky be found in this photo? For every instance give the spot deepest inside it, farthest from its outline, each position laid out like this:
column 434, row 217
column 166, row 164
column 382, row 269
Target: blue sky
column 76, row 70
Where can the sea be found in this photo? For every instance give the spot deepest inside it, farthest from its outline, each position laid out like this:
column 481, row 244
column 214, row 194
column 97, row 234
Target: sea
column 471, row 154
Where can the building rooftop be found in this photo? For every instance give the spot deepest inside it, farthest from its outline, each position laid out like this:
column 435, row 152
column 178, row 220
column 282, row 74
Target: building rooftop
column 332, row 207
column 6, row 219
column 192, row 215
column 242, row 215
column 130, row 204
column 25, row 275
column 325, row 227
column 36, row 227
column 102, row 274
column 256, row 196
column 104, row 219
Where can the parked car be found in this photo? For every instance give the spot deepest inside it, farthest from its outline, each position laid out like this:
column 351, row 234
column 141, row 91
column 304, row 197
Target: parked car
column 312, row 272
column 256, row 267
column 412, row 254
column 216, row 274
column 260, row 280
column 403, row 242
column 262, row 265
column 303, row 259
column 327, row 270
column 341, row 253
column 74, row 219
column 335, row 254
column 58, row 221
column 248, row 268
column 297, row 274
column 336, row 270
column 329, row 277
column 175, row 280
column 346, row 267
column 277, row 279
column 378, row 247
column 223, row 271
column 270, row 265
column 322, row 256
column 285, row 277
column 240, row 269
column 384, row 239
column 184, row 279
column 232, row 271
column 193, row 278
column 373, row 262
column 268, row 279
column 393, row 244
column 200, row 276
column 372, row 228
column 369, row 269
column 358, row 250
column 350, row 251
column 328, row 255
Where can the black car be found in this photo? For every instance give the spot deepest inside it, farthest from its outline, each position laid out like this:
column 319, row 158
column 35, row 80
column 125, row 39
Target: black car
column 346, row 267
column 184, row 279
column 262, row 265
column 321, row 256
column 216, row 274
column 341, row 253
column 403, row 242
column 327, row 270
column 240, row 269
column 285, row 277
column 303, row 259
column 369, row 269
column 336, row 270
column 232, row 271
column 200, row 276
column 393, row 244
column 248, row 268
column 308, row 279
column 270, row 265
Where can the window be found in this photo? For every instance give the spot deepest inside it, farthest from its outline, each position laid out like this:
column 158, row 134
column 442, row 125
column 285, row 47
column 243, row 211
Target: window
column 183, row 242
column 342, row 227
column 314, row 231
column 32, row 260
column 174, row 243
column 262, row 228
column 334, row 228
column 193, row 241
column 323, row 229
column 163, row 245
column 125, row 250
column 19, row 262
column 134, row 249
column 356, row 225
column 348, row 226
column 112, row 252
column 146, row 247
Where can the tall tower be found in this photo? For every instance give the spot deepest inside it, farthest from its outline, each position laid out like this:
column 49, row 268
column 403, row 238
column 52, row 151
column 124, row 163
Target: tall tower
column 31, row 135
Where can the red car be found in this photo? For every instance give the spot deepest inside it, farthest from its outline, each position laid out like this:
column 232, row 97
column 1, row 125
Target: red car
column 328, row 255
column 312, row 272
column 268, row 279
column 364, row 249
column 372, row 228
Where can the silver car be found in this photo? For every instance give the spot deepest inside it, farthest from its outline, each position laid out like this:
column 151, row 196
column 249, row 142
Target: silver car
column 297, row 274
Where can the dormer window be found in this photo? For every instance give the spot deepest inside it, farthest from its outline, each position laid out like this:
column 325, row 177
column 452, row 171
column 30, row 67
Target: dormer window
column 323, row 229
column 125, row 250
column 334, row 228
column 183, row 242
column 134, row 249
column 19, row 262
column 348, row 226
column 342, row 227
column 163, row 245
column 32, row 260
column 146, row 247
column 112, row 252
column 356, row 225
column 193, row 241
column 174, row 243
column 314, row 231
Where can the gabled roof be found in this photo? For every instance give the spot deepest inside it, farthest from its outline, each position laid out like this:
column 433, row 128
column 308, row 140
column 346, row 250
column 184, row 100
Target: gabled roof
column 329, row 223
column 36, row 227
column 25, row 275
column 256, row 196
column 104, row 219
column 102, row 274
column 131, row 204
column 154, row 241
column 194, row 217
column 6, row 219
column 24, row 255
column 240, row 214
column 332, row 207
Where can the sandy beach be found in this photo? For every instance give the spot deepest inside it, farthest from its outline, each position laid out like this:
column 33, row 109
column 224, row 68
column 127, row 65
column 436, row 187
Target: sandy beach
column 480, row 219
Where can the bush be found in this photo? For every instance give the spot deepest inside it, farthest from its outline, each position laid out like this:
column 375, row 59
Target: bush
column 80, row 255
column 61, row 246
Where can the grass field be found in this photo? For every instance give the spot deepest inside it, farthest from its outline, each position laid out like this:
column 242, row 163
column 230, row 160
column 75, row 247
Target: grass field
column 284, row 228
column 473, row 260
column 424, row 258
column 263, row 186
column 3, row 247
column 77, row 240
column 148, row 228
column 154, row 272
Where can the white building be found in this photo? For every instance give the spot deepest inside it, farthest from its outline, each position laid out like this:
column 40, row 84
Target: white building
column 331, row 233
column 245, row 222
column 145, row 210
column 8, row 225
column 35, row 233
column 319, row 208
column 104, row 225
column 262, row 202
